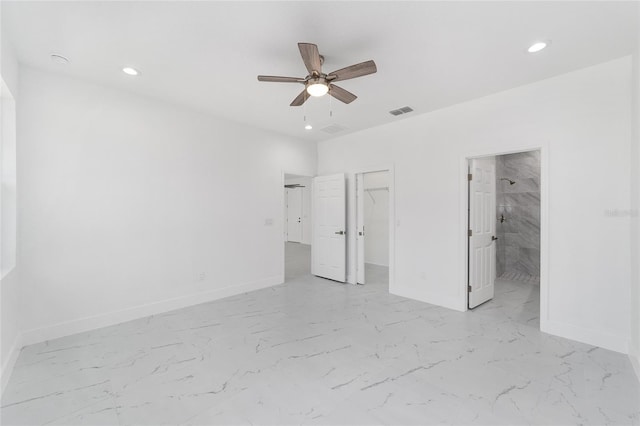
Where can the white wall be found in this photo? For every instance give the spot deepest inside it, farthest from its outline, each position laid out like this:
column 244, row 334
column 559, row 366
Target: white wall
column 8, row 179
column 10, row 309
column 125, row 202
column 581, row 121
column 10, row 297
column 635, row 212
column 9, row 286
column 376, row 218
column 306, row 205
column 8, row 60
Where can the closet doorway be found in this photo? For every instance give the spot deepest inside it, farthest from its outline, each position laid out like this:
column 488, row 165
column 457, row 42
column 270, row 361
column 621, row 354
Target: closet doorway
column 373, row 225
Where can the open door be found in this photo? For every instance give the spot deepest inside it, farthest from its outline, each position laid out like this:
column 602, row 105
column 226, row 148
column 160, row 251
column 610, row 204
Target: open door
column 482, row 230
column 329, row 226
column 360, row 236
column 294, row 214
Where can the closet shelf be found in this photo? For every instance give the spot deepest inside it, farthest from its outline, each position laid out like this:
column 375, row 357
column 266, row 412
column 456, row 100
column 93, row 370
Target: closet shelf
column 370, row 190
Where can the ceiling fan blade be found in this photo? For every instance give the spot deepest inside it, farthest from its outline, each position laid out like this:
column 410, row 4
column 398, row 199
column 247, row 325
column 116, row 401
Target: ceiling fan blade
column 353, row 71
column 300, row 99
column 311, row 57
column 342, row 95
column 277, row 79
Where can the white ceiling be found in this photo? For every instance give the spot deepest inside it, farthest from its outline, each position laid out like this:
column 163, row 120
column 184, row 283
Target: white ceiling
column 206, row 55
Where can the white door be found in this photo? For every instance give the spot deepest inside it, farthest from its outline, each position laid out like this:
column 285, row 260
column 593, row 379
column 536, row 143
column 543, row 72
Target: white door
column 482, row 226
column 294, row 214
column 360, row 236
column 329, row 226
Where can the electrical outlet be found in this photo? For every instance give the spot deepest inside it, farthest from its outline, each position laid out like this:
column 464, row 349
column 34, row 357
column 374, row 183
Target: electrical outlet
column 268, row 222
column 202, row 276
column 423, row 275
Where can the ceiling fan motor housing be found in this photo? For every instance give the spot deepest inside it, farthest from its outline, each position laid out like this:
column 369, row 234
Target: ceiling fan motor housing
column 317, row 80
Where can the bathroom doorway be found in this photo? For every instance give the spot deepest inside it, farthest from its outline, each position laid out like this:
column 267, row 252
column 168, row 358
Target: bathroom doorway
column 504, row 249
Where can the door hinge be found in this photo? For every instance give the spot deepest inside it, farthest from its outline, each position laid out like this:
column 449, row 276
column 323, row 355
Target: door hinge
column 469, row 288
column 469, row 176
column 470, row 233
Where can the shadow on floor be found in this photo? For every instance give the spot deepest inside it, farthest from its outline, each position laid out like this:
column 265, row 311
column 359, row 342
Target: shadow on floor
column 297, row 260
column 298, row 264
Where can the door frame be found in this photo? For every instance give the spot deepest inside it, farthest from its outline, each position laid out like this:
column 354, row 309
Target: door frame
column 360, row 239
column 352, row 222
column 544, row 225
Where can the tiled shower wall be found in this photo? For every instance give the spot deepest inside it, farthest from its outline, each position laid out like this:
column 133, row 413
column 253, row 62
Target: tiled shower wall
column 518, row 245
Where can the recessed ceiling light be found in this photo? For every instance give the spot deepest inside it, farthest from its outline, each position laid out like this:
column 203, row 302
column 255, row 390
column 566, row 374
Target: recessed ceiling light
column 536, row 47
column 130, row 71
column 308, row 127
column 59, row 59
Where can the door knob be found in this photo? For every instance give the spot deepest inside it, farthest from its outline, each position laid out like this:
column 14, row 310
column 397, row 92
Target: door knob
column 339, row 232
column 494, row 238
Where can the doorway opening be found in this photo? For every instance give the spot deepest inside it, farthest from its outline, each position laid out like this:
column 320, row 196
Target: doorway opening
column 373, row 226
column 504, row 234
column 297, row 225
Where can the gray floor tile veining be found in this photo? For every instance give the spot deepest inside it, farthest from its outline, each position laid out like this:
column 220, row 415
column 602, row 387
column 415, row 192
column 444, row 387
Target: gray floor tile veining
column 313, row 351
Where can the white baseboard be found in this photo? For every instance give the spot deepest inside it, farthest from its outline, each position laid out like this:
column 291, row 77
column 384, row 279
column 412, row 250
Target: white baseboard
column 302, row 243
column 377, row 264
column 598, row 338
column 635, row 361
column 7, row 367
column 66, row 328
column 449, row 303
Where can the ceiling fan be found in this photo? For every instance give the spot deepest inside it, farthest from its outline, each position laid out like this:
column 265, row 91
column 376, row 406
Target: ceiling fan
column 317, row 83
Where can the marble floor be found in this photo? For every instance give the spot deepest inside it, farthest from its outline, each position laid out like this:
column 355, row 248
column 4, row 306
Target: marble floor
column 313, row 351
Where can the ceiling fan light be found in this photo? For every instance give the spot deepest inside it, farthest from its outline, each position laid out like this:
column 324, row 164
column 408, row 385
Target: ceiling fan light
column 317, row 89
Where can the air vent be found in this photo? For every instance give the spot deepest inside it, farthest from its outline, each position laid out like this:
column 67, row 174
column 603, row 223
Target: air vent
column 401, row 111
column 333, row 129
